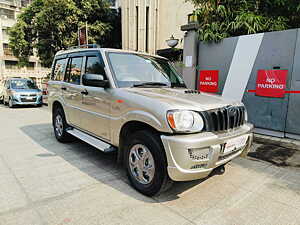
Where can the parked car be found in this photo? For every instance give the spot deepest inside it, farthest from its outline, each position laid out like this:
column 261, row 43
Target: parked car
column 20, row 91
column 45, row 91
column 138, row 105
column 1, row 90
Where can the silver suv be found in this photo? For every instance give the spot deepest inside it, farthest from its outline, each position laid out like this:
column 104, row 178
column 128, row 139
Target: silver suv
column 138, row 105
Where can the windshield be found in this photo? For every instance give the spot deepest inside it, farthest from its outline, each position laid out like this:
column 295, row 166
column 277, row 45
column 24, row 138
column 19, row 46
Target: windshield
column 135, row 70
column 22, row 84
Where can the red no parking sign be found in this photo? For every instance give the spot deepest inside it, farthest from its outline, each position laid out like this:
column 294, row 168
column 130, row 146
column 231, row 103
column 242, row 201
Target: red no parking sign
column 271, row 83
column 208, row 81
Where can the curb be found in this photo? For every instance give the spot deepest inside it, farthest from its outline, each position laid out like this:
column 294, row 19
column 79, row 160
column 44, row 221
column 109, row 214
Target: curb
column 283, row 142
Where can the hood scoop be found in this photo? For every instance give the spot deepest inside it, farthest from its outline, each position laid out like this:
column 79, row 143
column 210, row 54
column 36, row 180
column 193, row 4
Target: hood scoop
column 192, row 92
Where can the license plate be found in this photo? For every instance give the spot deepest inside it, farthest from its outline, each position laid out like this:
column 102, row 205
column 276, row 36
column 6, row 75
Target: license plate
column 235, row 143
column 29, row 98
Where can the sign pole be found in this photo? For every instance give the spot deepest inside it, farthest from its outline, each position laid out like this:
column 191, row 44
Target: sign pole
column 83, row 35
column 86, row 33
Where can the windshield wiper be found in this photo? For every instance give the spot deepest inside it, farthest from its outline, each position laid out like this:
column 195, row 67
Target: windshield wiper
column 150, row 84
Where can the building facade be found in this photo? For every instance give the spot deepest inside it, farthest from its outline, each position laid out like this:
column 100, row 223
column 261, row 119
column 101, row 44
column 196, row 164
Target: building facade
column 9, row 9
column 147, row 24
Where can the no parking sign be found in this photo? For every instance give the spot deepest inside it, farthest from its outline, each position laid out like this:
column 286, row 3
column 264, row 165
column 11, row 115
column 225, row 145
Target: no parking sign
column 208, row 81
column 271, row 83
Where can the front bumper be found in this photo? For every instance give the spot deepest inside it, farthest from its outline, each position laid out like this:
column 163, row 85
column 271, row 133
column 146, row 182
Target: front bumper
column 38, row 100
column 184, row 166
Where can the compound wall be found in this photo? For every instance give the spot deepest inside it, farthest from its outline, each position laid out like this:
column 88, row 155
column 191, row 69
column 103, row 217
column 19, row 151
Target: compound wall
column 238, row 60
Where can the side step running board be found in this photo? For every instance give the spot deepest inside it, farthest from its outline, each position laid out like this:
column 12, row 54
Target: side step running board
column 97, row 143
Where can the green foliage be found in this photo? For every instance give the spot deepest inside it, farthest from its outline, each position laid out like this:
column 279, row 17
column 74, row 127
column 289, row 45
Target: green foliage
column 219, row 19
column 52, row 25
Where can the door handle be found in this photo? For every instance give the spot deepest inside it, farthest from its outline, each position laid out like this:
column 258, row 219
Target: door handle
column 63, row 88
column 85, row 92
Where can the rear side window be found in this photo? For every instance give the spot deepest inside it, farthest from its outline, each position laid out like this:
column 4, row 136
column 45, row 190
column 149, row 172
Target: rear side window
column 74, row 70
column 59, row 68
column 94, row 65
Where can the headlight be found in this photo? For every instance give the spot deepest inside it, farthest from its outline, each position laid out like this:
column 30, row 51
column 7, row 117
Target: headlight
column 39, row 94
column 185, row 121
column 14, row 93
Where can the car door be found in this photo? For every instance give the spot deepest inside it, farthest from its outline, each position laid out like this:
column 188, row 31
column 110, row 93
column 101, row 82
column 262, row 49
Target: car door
column 72, row 88
column 96, row 101
column 6, row 90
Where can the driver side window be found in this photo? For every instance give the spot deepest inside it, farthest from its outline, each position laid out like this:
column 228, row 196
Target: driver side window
column 94, row 66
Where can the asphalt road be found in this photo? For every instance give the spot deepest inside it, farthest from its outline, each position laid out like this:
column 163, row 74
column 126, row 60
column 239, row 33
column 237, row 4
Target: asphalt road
column 45, row 182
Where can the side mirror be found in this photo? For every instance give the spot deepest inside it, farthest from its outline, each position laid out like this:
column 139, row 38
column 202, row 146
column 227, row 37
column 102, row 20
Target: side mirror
column 94, row 80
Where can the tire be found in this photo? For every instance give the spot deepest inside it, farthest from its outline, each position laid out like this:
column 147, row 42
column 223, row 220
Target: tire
column 60, row 126
column 151, row 181
column 1, row 100
column 10, row 103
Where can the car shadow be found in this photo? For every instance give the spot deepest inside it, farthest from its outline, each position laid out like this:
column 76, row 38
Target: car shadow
column 23, row 106
column 78, row 152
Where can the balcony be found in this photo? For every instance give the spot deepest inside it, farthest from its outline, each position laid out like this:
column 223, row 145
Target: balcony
column 7, row 52
column 24, row 72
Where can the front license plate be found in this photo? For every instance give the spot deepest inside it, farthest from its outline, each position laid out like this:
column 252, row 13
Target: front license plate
column 29, row 98
column 235, row 143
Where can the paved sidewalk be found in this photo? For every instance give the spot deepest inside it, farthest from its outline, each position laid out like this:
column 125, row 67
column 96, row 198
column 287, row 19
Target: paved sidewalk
column 43, row 182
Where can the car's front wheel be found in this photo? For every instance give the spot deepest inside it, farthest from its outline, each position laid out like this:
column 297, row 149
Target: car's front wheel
column 10, row 103
column 146, row 163
column 60, row 126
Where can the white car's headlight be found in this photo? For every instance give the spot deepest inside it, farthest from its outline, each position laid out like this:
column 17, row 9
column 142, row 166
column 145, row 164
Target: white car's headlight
column 15, row 93
column 39, row 93
column 185, row 121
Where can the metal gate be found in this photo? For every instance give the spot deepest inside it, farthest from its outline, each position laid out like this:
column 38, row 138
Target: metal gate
column 293, row 114
column 274, row 50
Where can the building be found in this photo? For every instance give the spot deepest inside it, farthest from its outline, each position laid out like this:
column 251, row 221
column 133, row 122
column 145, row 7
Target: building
column 147, row 24
column 9, row 9
column 115, row 4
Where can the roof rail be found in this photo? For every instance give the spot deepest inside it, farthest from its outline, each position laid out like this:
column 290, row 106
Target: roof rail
column 85, row 46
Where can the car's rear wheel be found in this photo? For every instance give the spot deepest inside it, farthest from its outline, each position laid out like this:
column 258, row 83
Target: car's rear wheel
column 60, row 126
column 146, row 163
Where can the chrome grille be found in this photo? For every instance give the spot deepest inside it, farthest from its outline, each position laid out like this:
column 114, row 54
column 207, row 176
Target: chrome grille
column 225, row 118
column 28, row 100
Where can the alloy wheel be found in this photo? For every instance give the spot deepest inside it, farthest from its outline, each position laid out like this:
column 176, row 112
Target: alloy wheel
column 141, row 164
column 59, row 126
column 10, row 103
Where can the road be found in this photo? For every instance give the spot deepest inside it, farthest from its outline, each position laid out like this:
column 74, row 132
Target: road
column 45, row 182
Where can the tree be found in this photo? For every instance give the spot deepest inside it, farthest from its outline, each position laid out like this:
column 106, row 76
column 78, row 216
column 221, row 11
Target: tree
column 219, row 19
column 51, row 25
